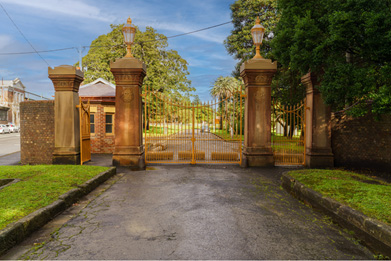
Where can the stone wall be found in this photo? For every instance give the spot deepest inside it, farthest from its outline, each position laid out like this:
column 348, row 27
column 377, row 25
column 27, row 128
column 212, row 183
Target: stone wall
column 362, row 142
column 37, row 132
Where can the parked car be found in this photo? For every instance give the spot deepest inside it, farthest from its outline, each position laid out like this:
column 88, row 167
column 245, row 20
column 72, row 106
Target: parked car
column 205, row 128
column 12, row 127
column 4, row 129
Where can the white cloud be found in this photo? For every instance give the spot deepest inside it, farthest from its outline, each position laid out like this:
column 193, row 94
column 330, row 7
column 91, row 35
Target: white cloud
column 69, row 7
column 6, row 74
column 5, row 40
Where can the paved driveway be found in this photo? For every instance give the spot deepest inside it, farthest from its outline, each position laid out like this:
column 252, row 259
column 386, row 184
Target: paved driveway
column 205, row 143
column 199, row 212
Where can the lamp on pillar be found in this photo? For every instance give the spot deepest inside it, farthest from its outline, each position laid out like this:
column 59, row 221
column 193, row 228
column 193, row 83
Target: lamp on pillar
column 129, row 75
column 129, row 31
column 257, row 33
column 257, row 74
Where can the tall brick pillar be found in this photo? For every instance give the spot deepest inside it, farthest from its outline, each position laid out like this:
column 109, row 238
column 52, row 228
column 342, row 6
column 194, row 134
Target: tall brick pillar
column 129, row 150
column 257, row 75
column 318, row 152
column 66, row 80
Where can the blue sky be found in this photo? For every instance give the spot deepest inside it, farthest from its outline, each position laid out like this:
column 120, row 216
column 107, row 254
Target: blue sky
column 53, row 24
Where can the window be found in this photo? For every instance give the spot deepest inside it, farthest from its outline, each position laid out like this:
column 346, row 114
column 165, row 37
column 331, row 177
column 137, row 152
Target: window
column 92, row 123
column 109, row 123
column 3, row 115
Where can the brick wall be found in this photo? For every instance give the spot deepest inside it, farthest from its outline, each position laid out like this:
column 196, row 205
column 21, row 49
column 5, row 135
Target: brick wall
column 101, row 142
column 362, row 142
column 36, row 132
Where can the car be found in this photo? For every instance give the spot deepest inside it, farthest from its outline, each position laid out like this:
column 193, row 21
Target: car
column 205, row 128
column 12, row 127
column 4, row 129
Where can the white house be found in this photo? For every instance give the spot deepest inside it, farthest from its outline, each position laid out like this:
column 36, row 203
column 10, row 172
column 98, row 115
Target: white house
column 11, row 94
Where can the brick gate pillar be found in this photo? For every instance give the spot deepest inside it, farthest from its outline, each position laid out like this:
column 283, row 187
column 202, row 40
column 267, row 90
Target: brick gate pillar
column 66, row 80
column 129, row 74
column 318, row 152
column 257, row 75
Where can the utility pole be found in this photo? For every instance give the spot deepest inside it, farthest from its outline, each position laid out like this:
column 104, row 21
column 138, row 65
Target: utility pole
column 80, row 51
column 80, row 58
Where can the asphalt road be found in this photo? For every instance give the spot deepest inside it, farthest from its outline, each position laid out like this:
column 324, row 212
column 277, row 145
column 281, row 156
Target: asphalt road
column 9, row 143
column 196, row 212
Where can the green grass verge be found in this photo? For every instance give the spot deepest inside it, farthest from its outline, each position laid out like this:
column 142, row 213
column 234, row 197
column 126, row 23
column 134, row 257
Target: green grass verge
column 365, row 194
column 40, row 185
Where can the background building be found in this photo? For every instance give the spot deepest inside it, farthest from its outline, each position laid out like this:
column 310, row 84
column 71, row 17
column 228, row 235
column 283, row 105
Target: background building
column 101, row 95
column 11, row 94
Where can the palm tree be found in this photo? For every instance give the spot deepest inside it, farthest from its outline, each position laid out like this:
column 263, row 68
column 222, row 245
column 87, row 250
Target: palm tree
column 222, row 89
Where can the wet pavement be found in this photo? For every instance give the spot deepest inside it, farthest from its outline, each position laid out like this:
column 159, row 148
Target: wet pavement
column 194, row 212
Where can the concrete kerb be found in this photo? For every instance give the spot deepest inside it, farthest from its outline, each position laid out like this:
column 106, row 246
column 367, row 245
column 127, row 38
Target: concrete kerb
column 19, row 230
column 375, row 234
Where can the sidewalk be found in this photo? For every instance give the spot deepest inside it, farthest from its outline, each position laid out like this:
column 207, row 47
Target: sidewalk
column 10, row 159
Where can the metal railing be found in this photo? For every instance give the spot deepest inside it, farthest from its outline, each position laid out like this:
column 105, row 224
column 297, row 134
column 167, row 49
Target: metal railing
column 288, row 137
column 208, row 132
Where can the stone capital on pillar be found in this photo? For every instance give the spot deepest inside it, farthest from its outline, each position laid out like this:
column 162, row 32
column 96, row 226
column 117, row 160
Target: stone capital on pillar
column 129, row 74
column 317, row 126
column 66, row 80
column 258, row 75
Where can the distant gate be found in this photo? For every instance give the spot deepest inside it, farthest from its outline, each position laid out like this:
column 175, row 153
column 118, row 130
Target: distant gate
column 210, row 132
column 288, row 125
column 85, row 131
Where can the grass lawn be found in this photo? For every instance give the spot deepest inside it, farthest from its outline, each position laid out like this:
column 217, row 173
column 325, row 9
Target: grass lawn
column 365, row 194
column 40, row 185
column 154, row 131
column 225, row 134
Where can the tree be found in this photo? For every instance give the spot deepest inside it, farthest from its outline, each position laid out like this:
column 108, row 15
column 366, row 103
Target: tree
column 166, row 69
column 345, row 43
column 244, row 12
column 223, row 89
column 286, row 85
column 196, row 100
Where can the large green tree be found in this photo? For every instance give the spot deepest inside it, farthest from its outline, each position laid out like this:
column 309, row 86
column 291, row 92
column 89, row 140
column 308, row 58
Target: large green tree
column 166, row 69
column 243, row 13
column 345, row 43
column 286, row 85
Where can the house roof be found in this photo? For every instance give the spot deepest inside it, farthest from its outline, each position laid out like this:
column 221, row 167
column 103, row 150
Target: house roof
column 97, row 88
column 13, row 83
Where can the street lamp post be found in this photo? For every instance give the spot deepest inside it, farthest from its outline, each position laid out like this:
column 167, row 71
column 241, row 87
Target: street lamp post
column 257, row 33
column 129, row 31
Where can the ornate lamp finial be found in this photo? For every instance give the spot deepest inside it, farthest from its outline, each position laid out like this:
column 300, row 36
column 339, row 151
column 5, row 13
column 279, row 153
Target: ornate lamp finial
column 257, row 33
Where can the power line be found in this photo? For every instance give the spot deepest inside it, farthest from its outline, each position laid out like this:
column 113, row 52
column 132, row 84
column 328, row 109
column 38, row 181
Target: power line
column 47, row 51
column 110, row 46
column 23, row 34
column 192, row 32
